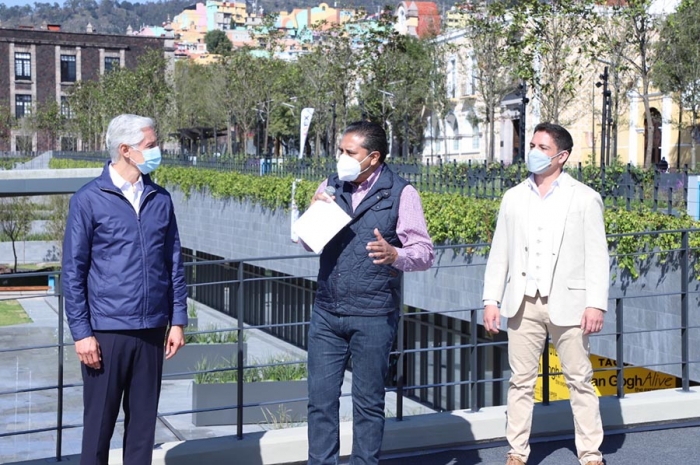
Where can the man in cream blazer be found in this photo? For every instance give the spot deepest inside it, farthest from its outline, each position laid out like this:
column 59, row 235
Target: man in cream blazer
column 549, row 269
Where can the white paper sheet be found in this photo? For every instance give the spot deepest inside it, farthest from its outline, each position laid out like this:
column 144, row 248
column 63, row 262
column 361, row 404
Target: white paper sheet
column 320, row 223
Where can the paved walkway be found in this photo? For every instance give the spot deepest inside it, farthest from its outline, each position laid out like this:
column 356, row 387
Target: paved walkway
column 662, row 447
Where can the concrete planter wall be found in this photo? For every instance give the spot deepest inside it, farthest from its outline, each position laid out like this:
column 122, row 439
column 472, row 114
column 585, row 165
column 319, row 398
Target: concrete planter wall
column 458, row 282
column 190, row 355
column 225, row 394
column 192, row 324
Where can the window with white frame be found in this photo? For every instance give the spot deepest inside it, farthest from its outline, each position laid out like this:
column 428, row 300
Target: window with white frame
column 68, row 68
column 455, row 135
column 69, row 144
column 111, row 63
column 470, row 77
column 452, row 78
column 23, row 66
column 66, row 111
column 23, row 105
column 24, row 144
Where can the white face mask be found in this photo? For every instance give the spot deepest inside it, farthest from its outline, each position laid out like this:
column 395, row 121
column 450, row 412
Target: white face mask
column 538, row 162
column 350, row 169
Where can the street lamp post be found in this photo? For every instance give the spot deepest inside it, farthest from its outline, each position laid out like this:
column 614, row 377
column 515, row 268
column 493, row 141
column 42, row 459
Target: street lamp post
column 606, row 120
column 522, row 91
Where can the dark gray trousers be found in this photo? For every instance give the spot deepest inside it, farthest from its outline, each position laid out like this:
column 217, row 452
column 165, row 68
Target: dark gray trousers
column 132, row 365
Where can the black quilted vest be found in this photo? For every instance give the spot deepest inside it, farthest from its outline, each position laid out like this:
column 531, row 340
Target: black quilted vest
column 348, row 282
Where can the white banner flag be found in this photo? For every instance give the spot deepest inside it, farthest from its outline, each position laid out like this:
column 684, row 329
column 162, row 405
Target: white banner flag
column 306, row 115
column 294, row 210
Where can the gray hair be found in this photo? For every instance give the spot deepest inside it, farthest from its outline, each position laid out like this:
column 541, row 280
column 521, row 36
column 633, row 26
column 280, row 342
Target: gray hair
column 125, row 129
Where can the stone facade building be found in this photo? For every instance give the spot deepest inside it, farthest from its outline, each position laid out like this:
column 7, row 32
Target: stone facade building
column 38, row 66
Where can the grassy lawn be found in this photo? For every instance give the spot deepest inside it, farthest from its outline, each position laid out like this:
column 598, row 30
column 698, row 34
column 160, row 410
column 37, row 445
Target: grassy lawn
column 12, row 313
column 32, row 266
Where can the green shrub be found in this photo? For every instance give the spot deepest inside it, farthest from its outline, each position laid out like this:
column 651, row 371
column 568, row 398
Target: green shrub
column 280, row 368
column 452, row 218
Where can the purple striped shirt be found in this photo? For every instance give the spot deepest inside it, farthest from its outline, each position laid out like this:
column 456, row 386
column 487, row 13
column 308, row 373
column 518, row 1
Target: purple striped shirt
column 416, row 253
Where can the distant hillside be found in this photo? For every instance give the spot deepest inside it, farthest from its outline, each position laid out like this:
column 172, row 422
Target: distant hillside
column 106, row 16
column 113, row 17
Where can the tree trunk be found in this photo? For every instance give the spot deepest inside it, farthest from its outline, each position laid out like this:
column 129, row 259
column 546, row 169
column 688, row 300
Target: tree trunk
column 649, row 124
column 492, row 134
column 229, row 140
column 265, row 129
column 680, row 135
column 14, row 252
column 693, row 144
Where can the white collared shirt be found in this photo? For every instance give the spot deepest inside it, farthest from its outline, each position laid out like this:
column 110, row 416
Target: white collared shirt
column 540, row 217
column 132, row 192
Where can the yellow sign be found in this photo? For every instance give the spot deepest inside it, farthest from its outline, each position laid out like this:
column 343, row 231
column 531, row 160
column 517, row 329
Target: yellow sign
column 635, row 379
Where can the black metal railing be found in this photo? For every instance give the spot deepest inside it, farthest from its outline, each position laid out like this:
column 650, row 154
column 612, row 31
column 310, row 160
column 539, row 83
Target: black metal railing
column 439, row 360
column 622, row 186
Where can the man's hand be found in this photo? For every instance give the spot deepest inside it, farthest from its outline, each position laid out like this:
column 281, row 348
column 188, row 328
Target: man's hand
column 592, row 321
column 381, row 251
column 176, row 339
column 88, row 350
column 322, row 196
column 492, row 318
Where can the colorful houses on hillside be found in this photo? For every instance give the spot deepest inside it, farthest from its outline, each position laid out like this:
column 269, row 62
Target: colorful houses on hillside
column 299, row 26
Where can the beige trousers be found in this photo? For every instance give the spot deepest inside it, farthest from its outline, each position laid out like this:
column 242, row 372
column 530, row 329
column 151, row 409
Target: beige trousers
column 527, row 332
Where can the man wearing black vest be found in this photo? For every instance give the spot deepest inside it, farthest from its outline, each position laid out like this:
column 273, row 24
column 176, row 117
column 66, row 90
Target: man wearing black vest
column 356, row 311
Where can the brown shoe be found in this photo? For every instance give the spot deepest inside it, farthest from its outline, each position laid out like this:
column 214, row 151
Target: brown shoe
column 513, row 460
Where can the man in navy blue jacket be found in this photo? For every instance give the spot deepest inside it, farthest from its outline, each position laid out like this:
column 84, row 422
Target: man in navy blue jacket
column 125, row 293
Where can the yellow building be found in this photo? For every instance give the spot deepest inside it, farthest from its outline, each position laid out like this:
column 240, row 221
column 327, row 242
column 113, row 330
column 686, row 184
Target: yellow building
column 461, row 134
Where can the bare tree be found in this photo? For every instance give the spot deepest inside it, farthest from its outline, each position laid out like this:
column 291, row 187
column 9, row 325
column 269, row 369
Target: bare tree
column 555, row 44
column 56, row 224
column 488, row 29
column 678, row 69
column 640, row 28
column 16, row 215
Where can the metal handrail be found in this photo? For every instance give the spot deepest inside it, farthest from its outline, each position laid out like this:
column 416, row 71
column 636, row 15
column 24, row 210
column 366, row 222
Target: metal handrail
column 473, row 345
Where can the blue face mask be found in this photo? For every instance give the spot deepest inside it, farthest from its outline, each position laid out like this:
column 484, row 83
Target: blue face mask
column 151, row 160
column 538, row 162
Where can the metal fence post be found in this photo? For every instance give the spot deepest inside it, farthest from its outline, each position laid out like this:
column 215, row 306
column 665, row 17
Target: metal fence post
column 656, row 192
column 619, row 346
column 399, row 363
column 545, row 371
column 685, row 365
column 239, row 366
column 685, row 185
column 602, row 180
column 59, row 396
column 473, row 362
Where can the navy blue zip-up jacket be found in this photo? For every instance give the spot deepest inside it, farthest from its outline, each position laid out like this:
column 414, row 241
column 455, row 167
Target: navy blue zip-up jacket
column 122, row 270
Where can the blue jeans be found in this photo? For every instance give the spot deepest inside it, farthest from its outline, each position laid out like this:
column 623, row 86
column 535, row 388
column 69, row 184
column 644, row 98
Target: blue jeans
column 333, row 339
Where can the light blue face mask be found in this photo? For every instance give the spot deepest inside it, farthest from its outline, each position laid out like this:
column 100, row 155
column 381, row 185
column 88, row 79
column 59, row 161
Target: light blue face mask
column 151, row 160
column 538, row 162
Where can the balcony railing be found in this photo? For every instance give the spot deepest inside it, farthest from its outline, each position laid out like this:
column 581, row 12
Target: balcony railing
column 438, row 360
